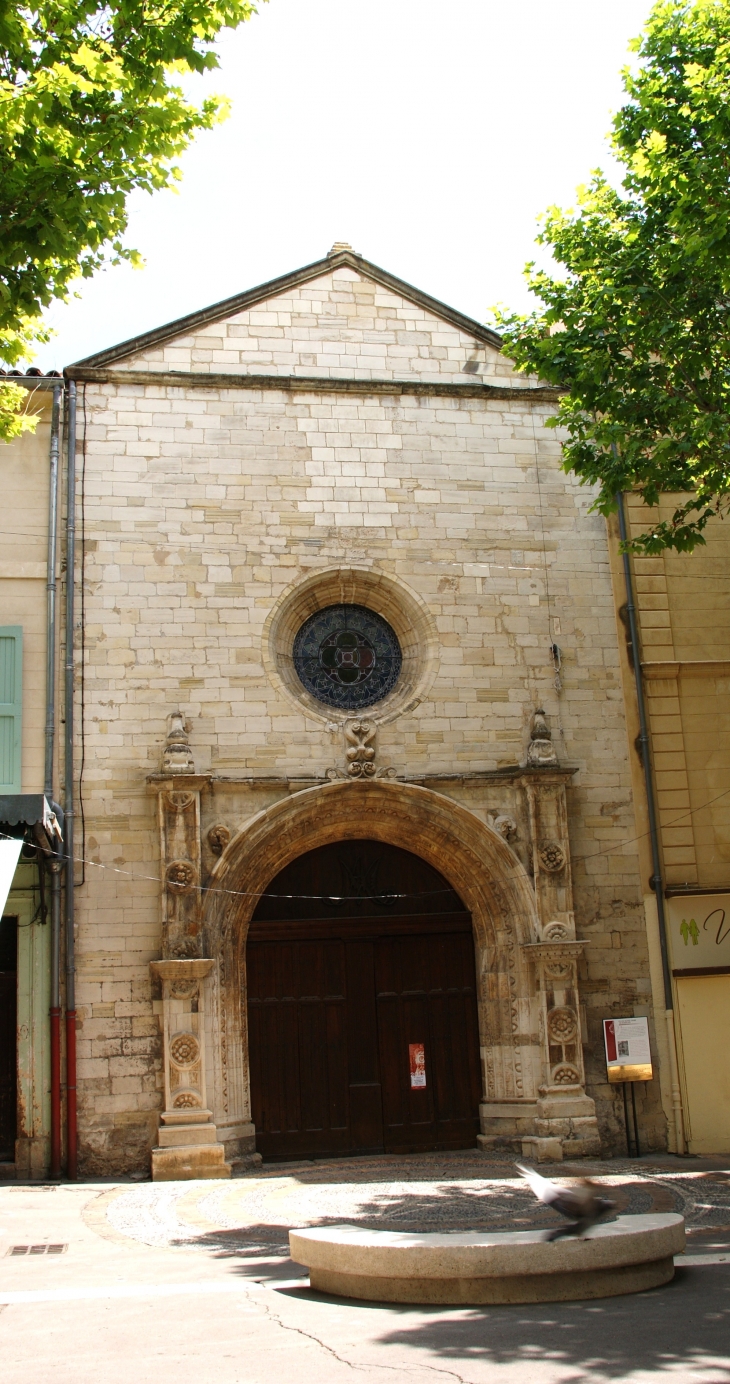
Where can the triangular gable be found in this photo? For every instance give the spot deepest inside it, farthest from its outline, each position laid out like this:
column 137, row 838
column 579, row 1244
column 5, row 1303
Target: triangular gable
column 192, row 333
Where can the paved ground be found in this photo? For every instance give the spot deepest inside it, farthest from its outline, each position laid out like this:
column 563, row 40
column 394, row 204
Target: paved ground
column 191, row 1281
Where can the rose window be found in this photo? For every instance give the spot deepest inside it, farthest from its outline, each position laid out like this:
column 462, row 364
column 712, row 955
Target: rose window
column 347, row 656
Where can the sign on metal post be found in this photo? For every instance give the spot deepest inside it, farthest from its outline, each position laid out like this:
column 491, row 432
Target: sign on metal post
column 628, row 1054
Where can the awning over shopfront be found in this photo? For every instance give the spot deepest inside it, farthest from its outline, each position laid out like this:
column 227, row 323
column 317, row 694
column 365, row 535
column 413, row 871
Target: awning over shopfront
column 31, row 809
column 25, row 810
column 9, row 852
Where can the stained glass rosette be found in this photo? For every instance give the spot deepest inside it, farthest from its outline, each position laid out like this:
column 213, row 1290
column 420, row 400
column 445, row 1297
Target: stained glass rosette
column 347, row 657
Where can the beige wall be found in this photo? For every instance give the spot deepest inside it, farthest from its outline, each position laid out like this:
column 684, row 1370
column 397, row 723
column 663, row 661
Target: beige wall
column 684, row 623
column 684, row 614
column 24, row 479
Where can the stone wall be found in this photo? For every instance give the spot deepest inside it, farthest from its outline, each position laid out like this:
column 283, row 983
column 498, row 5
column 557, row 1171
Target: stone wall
column 207, row 508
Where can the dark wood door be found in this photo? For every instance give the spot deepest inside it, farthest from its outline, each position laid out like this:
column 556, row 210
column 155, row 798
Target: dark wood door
column 336, row 1002
column 8, row 1038
column 426, row 1000
column 315, row 1084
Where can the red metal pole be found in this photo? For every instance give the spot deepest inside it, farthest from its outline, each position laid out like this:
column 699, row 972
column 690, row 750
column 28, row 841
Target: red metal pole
column 72, row 1151
column 55, row 1093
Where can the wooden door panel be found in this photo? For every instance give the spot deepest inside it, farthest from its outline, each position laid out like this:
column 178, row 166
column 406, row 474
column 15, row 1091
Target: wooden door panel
column 298, row 1047
column 395, row 1109
column 364, row 1089
column 356, row 951
column 427, row 994
column 8, row 1064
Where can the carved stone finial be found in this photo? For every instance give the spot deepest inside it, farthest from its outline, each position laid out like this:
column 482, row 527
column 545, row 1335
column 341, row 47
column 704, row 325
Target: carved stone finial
column 177, row 756
column 540, row 749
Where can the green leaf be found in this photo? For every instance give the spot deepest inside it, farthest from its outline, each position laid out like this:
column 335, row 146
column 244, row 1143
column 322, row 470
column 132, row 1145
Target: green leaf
column 642, row 296
column 89, row 113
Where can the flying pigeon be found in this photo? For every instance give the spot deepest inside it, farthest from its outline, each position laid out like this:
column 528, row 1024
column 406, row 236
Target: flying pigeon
column 579, row 1203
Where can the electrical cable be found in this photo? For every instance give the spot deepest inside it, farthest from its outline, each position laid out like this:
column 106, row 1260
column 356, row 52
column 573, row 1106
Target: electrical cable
column 356, row 898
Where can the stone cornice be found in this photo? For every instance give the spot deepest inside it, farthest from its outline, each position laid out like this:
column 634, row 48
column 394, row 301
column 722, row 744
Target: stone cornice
column 187, row 968
column 669, row 668
column 309, row 384
column 518, row 774
column 553, row 951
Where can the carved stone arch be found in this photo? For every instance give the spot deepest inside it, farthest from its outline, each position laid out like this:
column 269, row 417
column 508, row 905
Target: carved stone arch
column 473, row 857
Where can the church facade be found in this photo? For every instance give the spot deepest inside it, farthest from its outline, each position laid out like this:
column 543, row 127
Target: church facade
column 356, row 799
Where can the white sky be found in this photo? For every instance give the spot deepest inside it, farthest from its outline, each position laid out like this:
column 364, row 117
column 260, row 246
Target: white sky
column 429, row 135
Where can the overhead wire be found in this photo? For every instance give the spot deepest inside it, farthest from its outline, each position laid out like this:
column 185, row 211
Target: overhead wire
column 355, row 898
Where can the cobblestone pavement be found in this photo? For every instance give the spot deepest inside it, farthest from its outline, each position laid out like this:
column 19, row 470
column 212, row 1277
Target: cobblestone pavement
column 252, row 1215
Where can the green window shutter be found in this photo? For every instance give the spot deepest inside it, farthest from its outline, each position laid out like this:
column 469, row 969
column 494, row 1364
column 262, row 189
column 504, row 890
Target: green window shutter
column 11, row 706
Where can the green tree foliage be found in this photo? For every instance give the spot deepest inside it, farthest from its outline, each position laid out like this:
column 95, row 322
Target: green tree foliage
column 89, row 112
column 635, row 327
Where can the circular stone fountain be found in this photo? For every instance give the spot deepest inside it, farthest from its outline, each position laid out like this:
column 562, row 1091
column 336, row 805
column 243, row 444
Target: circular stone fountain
column 628, row 1255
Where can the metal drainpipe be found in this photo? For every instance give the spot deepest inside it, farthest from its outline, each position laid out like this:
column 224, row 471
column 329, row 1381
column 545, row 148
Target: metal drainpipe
column 656, row 880
column 55, row 863
column 71, row 1127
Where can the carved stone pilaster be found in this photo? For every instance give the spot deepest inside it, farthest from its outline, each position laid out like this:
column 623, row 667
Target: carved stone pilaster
column 548, row 816
column 179, row 818
column 188, row 1143
column 566, row 1123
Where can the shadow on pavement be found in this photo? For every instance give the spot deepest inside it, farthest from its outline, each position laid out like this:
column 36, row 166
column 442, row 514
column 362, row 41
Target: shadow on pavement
column 682, row 1330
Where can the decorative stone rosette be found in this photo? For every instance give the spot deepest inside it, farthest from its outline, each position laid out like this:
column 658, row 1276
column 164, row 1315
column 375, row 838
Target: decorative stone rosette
column 552, row 857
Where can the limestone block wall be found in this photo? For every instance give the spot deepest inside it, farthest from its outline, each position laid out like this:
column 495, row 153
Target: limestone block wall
column 214, row 513
column 340, row 325
column 203, row 507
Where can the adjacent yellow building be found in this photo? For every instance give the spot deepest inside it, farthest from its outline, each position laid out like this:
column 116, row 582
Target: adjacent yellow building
column 683, row 615
column 25, row 926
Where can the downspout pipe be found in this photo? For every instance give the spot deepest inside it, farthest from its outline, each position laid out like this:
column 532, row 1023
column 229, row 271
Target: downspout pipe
column 55, row 863
column 657, row 882
column 71, row 1124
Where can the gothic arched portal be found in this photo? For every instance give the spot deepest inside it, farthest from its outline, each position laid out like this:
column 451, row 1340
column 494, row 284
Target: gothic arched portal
column 362, row 1009
column 474, row 859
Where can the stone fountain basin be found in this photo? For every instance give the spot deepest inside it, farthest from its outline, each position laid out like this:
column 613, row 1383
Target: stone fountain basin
column 628, row 1255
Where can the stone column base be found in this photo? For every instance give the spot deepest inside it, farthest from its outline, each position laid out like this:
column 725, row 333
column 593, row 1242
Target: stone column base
column 567, row 1117
column 560, row 1124
column 189, row 1161
column 188, row 1148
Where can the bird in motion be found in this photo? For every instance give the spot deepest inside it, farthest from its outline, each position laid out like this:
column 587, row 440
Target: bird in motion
column 579, row 1203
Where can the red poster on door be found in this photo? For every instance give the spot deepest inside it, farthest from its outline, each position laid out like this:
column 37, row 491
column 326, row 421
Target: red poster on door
column 417, row 1060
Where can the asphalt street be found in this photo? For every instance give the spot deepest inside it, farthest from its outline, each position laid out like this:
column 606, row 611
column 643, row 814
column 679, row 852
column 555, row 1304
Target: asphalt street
column 192, row 1282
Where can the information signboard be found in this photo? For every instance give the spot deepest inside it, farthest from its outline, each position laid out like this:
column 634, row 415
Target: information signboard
column 628, row 1054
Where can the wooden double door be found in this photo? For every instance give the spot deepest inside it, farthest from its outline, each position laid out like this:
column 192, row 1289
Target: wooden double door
column 362, row 1023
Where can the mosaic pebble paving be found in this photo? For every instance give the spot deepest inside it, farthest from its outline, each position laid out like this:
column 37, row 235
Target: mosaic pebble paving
column 252, row 1215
